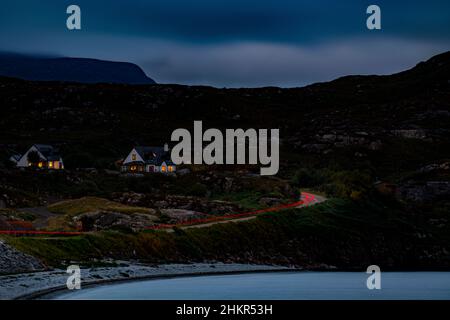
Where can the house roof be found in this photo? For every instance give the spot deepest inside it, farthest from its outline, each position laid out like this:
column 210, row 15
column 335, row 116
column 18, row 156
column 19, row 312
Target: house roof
column 16, row 157
column 153, row 155
column 149, row 152
column 168, row 162
column 48, row 152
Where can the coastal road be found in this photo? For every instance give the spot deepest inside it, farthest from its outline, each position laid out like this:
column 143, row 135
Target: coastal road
column 306, row 199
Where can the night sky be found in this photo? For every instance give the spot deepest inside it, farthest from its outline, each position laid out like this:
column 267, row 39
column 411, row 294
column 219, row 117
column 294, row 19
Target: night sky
column 234, row 43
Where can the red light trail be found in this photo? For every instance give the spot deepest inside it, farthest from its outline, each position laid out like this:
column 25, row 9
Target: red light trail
column 307, row 199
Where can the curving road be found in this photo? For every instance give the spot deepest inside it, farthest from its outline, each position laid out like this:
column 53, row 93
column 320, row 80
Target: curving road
column 306, row 199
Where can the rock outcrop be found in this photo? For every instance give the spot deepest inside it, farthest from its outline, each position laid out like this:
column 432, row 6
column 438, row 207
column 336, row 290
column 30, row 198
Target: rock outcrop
column 13, row 261
column 424, row 192
column 107, row 220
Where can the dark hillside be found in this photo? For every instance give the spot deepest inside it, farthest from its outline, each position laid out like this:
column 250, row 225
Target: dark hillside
column 70, row 69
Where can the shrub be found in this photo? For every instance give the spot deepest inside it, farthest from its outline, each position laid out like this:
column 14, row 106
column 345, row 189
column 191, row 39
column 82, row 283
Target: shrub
column 351, row 184
column 307, row 178
column 197, row 190
column 86, row 188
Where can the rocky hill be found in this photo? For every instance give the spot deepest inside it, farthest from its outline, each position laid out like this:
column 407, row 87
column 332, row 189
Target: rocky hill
column 70, row 69
column 371, row 114
column 391, row 125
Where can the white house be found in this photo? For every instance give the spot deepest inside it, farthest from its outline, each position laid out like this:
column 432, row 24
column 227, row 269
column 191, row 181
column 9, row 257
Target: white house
column 49, row 158
column 148, row 159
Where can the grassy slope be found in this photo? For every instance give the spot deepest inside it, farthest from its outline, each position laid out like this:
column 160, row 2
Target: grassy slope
column 339, row 233
column 87, row 204
column 69, row 209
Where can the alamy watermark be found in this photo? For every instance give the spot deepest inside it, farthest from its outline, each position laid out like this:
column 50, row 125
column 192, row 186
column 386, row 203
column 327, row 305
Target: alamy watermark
column 74, row 280
column 235, row 146
column 374, row 280
column 373, row 22
column 73, row 21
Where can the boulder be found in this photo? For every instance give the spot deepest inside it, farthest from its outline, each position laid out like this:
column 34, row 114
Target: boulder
column 375, row 145
column 183, row 171
column 107, row 220
column 410, row 133
column 424, row 192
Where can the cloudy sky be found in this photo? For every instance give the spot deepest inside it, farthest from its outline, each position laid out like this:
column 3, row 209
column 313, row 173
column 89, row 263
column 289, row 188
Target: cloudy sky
column 234, row 43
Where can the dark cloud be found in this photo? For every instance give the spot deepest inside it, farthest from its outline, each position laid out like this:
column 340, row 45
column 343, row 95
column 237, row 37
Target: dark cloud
column 266, row 64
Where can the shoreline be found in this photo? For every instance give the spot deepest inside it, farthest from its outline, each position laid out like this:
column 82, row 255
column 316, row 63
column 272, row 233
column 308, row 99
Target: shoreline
column 54, row 292
column 45, row 284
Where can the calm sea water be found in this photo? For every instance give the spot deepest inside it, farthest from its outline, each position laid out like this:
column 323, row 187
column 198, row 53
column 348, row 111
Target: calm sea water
column 284, row 285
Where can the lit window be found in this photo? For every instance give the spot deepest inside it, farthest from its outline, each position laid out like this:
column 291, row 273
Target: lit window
column 133, row 157
column 50, row 164
column 170, row 168
column 40, row 164
column 133, row 168
column 163, row 169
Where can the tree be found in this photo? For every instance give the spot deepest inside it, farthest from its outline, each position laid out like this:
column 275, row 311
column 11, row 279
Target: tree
column 33, row 157
column 352, row 184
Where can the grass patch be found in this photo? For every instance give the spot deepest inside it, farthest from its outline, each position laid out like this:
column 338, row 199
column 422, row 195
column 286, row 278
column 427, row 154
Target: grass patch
column 14, row 214
column 246, row 199
column 88, row 204
column 69, row 209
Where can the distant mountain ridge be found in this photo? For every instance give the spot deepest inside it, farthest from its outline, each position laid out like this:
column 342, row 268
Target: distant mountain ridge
column 84, row 70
